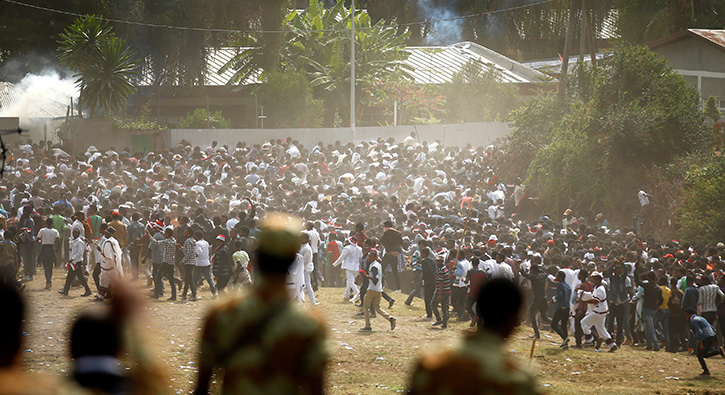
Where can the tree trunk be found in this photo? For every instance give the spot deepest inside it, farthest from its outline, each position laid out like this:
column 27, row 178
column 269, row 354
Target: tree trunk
column 573, row 6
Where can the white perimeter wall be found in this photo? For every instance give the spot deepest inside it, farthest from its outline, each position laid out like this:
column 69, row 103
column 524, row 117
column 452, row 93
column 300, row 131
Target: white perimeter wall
column 477, row 134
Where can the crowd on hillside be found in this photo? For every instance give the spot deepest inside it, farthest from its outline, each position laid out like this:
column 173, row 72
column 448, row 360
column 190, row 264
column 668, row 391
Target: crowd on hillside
column 435, row 220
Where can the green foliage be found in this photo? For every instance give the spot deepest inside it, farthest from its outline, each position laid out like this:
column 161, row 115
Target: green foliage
column 417, row 104
column 288, row 102
column 141, row 122
column 102, row 64
column 318, row 45
column 476, row 94
column 702, row 217
column 588, row 147
column 712, row 113
column 200, row 119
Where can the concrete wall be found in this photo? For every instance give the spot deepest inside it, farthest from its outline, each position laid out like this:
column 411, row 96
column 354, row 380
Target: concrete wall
column 693, row 53
column 101, row 134
column 477, row 134
column 97, row 132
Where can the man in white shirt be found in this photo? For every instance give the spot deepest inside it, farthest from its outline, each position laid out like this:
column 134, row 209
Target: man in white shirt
column 203, row 264
column 490, row 267
column 78, row 223
column 643, row 198
column 296, row 279
column 459, row 290
column 75, row 265
column 49, row 240
column 317, row 276
column 231, row 223
column 375, row 291
column 597, row 311
column 306, row 254
column 350, row 260
column 497, row 268
column 111, row 266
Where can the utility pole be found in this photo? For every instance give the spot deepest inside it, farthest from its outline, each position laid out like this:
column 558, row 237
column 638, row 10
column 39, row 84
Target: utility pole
column 352, row 70
column 569, row 36
column 590, row 32
column 261, row 115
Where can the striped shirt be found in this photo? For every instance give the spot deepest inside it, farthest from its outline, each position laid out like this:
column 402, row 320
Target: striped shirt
column 443, row 281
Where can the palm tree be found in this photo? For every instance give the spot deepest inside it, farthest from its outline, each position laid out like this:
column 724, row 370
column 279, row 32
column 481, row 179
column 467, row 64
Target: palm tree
column 318, row 44
column 107, row 85
column 102, row 63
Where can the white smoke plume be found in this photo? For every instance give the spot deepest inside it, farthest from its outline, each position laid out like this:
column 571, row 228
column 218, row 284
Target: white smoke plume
column 43, row 95
column 444, row 30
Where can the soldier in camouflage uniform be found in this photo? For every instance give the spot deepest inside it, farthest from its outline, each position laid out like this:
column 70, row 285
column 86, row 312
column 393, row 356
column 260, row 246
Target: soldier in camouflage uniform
column 262, row 342
column 478, row 365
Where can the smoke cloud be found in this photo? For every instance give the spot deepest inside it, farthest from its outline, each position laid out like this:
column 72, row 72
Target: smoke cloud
column 443, row 32
column 43, row 95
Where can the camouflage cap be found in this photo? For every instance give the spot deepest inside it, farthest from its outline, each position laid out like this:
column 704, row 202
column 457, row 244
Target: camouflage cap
column 280, row 235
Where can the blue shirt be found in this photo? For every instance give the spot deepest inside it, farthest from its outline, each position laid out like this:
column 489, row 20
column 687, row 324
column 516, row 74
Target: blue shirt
column 157, row 250
column 689, row 301
column 563, row 294
column 701, row 329
column 135, row 231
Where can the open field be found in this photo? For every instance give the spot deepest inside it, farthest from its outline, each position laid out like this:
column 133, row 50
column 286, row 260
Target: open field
column 376, row 362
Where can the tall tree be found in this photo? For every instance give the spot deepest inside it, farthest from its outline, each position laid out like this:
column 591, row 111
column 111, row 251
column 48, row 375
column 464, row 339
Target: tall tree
column 102, row 63
column 642, row 21
column 318, row 45
column 588, row 149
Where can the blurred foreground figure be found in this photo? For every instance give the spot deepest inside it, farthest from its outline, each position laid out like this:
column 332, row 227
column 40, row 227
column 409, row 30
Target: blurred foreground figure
column 13, row 380
column 263, row 342
column 478, row 365
column 102, row 338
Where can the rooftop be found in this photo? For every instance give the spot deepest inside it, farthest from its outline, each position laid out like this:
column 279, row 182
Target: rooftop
column 553, row 66
column 436, row 65
column 712, row 36
column 431, row 65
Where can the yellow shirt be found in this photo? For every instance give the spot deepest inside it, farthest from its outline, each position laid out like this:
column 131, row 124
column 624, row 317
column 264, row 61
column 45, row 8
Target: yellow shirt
column 666, row 294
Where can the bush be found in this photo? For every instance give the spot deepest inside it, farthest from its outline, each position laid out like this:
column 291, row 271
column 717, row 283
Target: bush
column 476, row 94
column 702, row 217
column 199, row 119
column 590, row 146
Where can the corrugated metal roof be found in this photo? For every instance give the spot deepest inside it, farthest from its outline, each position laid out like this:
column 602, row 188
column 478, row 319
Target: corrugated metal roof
column 714, row 36
column 437, row 65
column 11, row 96
column 215, row 59
column 431, row 65
column 552, row 66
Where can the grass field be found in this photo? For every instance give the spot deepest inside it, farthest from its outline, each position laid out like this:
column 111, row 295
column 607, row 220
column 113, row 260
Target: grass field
column 377, row 362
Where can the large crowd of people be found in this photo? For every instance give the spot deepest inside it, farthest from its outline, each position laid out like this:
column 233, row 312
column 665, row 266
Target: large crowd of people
column 433, row 220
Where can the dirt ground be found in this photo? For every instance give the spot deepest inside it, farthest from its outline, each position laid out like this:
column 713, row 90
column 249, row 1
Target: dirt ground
column 377, row 362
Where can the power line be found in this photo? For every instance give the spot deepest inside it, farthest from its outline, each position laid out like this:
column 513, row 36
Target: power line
column 217, row 30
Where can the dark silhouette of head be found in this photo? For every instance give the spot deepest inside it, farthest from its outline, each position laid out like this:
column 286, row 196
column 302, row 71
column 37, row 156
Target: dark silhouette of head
column 498, row 306
column 11, row 330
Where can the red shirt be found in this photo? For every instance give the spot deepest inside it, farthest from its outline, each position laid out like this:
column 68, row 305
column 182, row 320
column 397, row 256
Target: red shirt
column 586, row 287
column 476, row 279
